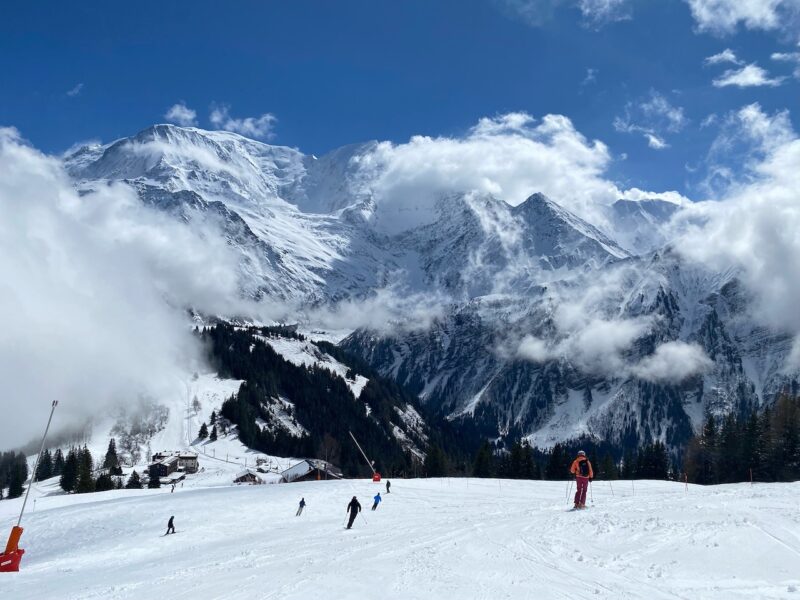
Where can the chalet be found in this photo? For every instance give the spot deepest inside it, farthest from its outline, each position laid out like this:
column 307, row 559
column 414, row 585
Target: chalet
column 187, row 461
column 164, row 467
column 248, row 477
column 311, row 469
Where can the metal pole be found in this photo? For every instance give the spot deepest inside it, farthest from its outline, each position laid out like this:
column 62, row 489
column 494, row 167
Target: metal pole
column 36, row 464
column 362, row 452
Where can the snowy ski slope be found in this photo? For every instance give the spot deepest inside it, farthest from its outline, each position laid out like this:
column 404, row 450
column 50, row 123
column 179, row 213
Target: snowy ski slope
column 438, row 538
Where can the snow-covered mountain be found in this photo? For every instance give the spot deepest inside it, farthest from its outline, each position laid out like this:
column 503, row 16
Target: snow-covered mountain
column 316, row 230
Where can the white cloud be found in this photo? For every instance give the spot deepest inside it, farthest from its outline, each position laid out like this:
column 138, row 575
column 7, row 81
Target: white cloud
column 253, row 127
column 724, row 16
column 75, row 90
column 673, row 362
column 601, row 12
column 595, row 13
column 655, row 142
column 93, row 292
column 726, row 56
column 753, row 227
column 638, row 195
column 591, row 76
column 651, row 117
column 182, row 115
column 510, row 157
column 748, row 76
column 790, row 57
column 745, row 138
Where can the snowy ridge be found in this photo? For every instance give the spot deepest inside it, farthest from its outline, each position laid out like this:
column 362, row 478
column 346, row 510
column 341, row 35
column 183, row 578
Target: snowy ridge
column 312, row 231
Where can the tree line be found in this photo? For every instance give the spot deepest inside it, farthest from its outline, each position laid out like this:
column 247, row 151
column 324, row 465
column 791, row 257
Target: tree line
column 759, row 447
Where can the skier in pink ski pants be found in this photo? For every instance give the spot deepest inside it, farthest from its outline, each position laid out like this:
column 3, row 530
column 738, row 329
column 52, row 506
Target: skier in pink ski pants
column 582, row 469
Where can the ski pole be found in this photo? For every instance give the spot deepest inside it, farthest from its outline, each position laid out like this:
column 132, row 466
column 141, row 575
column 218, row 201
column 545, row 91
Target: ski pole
column 591, row 493
column 569, row 490
column 611, row 486
column 362, row 516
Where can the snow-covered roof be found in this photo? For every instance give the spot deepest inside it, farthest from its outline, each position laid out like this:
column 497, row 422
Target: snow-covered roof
column 306, row 466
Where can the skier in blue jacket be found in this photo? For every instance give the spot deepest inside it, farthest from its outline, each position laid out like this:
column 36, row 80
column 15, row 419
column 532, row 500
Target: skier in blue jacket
column 377, row 500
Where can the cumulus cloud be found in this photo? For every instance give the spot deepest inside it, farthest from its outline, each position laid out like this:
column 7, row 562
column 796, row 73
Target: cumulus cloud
column 745, row 138
column 726, row 56
column 747, row 76
column 599, row 347
column 723, row 17
column 652, row 117
column 509, row 156
column 253, row 127
column 753, row 227
column 182, row 115
column 673, row 362
column 94, row 290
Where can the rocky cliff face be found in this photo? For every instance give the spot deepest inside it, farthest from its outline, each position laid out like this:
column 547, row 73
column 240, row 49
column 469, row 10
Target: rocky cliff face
column 547, row 327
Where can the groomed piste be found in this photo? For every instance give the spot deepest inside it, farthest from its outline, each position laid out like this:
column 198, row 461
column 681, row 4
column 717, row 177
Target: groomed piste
column 430, row 538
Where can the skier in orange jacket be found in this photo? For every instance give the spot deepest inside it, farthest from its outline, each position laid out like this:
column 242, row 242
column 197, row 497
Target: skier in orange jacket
column 582, row 469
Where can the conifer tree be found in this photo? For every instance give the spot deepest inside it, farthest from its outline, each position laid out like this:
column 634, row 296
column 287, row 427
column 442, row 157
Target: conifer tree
column 557, row 464
column 134, row 482
column 435, row 462
column 86, row 481
column 213, row 419
column 213, row 436
column 154, row 482
column 608, row 470
column 104, row 483
column 45, row 468
column 111, row 461
column 69, row 474
column 58, row 463
column 484, row 461
column 19, row 473
column 203, row 434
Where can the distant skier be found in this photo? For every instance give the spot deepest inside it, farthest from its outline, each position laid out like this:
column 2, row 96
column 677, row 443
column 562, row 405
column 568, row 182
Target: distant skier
column 171, row 526
column 388, row 485
column 354, row 508
column 301, row 507
column 377, row 500
column 582, row 469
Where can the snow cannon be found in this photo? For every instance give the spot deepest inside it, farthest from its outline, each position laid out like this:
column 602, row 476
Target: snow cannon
column 376, row 477
column 10, row 559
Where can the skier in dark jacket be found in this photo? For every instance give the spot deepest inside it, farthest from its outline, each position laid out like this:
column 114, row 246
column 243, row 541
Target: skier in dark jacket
column 170, row 526
column 388, row 485
column 301, row 507
column 354, row 508
column 377, row 500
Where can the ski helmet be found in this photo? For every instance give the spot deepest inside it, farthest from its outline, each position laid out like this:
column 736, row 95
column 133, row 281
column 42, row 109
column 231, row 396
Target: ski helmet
column 581, row 453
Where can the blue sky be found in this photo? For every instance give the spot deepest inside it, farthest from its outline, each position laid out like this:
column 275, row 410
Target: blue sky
column 631, row 73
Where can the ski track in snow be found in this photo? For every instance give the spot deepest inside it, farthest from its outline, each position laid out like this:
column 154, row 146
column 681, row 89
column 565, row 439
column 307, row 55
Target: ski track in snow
column 431, row 538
